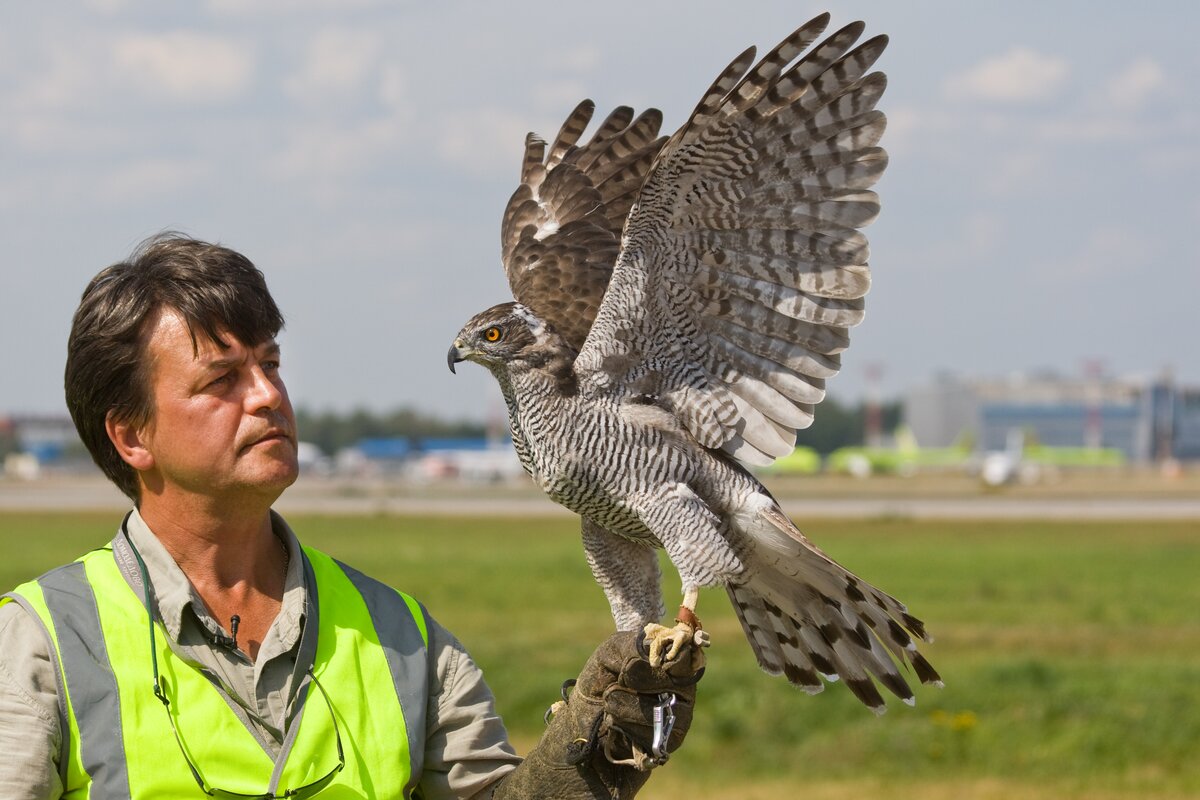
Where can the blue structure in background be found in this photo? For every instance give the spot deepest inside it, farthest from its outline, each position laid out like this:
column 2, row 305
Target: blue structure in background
column 1061, row 425
column 1174, row 422
column 401, row 448
column 1146, row 422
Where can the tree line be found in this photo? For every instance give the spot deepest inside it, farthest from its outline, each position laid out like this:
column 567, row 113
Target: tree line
column 837, row 425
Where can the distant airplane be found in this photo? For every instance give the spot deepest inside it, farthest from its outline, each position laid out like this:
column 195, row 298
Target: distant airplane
column 1027, row 460
column 1000, row 467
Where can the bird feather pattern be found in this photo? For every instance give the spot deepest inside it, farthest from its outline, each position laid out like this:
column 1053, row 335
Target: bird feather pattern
column 680, row 304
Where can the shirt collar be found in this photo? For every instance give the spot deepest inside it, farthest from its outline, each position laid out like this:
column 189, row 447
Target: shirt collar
column 174, row 594
column 292, row 611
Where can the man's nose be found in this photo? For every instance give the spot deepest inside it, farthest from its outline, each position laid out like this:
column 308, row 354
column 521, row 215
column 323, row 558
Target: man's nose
column 263, row 391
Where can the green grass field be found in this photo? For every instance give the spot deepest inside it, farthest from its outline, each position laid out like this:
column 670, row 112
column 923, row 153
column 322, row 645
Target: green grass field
column 1071, row 652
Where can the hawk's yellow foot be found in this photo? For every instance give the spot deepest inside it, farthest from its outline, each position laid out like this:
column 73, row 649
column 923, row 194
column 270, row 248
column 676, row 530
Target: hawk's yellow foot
column 666, row 644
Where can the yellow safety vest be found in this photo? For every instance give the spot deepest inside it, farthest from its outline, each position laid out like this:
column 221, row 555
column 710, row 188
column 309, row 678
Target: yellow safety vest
column 371, row 658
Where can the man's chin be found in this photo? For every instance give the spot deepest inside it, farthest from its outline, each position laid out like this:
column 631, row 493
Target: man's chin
column 287, row 475
column 274, row 475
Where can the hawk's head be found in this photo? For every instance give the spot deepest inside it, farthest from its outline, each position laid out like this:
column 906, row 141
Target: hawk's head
column 503, row 335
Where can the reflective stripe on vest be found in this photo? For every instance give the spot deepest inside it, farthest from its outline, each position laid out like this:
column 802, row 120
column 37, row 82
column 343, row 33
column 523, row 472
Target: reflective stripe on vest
column 371, row 658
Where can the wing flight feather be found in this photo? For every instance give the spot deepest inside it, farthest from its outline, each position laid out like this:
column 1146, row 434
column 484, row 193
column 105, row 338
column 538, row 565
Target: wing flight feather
column 561, row 231
column 743, row 266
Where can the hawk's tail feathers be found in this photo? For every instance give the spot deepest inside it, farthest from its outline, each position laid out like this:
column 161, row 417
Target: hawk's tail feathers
column 856, row 634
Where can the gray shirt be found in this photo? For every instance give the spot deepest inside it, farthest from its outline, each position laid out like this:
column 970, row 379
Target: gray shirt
column 466, row 746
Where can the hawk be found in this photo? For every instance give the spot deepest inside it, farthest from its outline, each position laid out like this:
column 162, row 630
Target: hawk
column 680, row 303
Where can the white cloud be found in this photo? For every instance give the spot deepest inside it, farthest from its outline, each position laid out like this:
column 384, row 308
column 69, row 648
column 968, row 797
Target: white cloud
column 1117, row 252
column 360, row 242
column 393, row 85
column 333, row 149
column 107, row 6
column 184, row 66
column 84, row 69
column 337, row 63
column 152, row 176
column 560, row 97
column 1090, row 128
column 981, row 233
column 584, row 59
column 1019, row 76
column 910, row 127
column 274, row 8
column 59, row 134
column 1018, row 172
column 487, row 141
column 971, row 239
column 66, row 78
column 902, row 123
column 1136, row 84
column 1174, row 160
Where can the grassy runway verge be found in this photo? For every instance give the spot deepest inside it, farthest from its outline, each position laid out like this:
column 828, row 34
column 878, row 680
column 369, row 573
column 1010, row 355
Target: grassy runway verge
column 1071, row 651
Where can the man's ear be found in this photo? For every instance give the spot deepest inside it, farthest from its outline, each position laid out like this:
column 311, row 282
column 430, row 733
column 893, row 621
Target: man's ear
column 129, row 442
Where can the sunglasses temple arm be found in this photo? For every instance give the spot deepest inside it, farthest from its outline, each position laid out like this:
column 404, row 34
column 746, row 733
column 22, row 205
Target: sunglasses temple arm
column 158, row 692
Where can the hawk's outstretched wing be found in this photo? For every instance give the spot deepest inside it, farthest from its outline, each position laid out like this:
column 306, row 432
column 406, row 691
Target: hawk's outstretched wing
column 562, row 226
column 743, row 266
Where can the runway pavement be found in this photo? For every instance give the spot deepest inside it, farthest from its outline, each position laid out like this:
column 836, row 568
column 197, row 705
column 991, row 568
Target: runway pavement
column 321, row 496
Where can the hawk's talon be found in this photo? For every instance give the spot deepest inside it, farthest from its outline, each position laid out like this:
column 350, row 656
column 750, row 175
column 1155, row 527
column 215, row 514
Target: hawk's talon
column 665, row 644
column 555, row 707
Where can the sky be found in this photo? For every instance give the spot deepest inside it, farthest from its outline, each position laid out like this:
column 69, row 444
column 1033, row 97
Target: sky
column 1040, row 208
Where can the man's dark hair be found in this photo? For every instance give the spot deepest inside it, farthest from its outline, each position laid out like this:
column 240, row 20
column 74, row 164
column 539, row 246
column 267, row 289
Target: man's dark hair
column 213, row 288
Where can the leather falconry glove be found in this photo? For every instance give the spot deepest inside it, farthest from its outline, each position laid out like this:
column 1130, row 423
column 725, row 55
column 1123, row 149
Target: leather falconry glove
column 622, row 718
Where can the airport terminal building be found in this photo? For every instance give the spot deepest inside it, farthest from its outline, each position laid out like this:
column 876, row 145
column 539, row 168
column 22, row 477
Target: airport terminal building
column 1147, row 421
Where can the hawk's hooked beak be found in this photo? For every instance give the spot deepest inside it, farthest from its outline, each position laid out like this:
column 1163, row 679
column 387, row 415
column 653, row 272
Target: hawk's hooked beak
column 455, row 355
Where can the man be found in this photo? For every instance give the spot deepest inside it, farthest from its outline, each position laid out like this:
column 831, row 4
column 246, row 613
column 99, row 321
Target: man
column 181, row 659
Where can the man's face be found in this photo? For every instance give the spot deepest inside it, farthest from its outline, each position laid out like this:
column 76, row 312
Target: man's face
column 222, row 421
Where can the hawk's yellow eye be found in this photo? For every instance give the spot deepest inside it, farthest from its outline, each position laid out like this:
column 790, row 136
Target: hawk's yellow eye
column 492, row 334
